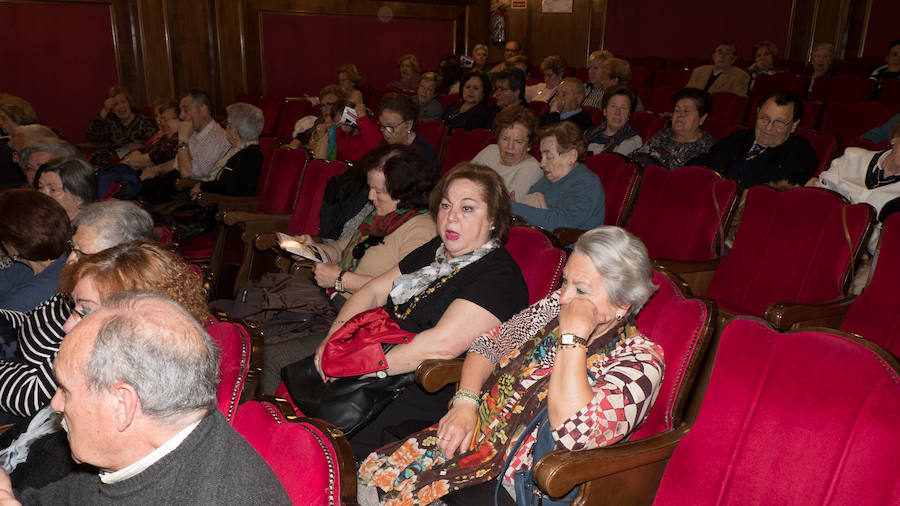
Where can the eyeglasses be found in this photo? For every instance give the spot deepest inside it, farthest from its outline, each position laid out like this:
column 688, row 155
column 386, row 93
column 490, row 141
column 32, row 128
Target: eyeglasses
column 391, row 128
column 778, row 124
column 74, row 249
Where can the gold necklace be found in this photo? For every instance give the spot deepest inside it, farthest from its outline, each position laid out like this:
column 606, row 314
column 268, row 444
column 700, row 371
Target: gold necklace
column 421, row 296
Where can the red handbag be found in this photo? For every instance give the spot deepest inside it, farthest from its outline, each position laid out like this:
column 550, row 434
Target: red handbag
column 355, row 348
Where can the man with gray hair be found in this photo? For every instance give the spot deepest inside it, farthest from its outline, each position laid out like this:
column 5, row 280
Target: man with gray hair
column 137, row 395
column 42, row 151
column 566, row 105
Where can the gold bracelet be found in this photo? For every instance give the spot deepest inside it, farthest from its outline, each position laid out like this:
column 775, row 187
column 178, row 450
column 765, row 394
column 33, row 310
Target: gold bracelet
column 569, row 346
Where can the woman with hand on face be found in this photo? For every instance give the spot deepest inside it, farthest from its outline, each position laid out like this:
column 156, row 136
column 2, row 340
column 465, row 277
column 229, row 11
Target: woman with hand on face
column 433, row 303
column 569, row 195
column 472, row 111
column 673, row 146
column 558, row 364
column 615, row 134
column 515, row 130
column 119, row 125
column 554, row 70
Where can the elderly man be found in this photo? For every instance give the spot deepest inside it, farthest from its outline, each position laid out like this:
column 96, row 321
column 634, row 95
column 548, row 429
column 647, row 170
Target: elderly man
column 566, row 105
column 26, row 387
column 201, row 141
column 511, row 49
column 41, row 151
column 722, row 75
column 770, row 154
column 137, row 395
column 509, row 87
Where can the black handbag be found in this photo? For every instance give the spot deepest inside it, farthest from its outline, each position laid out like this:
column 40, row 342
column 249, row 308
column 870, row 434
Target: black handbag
column 347, row 403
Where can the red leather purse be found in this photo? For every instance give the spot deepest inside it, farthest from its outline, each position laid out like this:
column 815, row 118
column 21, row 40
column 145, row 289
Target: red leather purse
column 356, row 348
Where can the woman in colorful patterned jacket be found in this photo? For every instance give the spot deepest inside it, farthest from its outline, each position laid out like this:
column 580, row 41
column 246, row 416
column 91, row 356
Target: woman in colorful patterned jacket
column 570, row 372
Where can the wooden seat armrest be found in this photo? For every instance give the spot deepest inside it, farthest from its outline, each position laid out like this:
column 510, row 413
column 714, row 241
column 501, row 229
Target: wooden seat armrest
column 560, row 471
column 265, row 241
column 272, row 224
column 229, row 202
column 235, row 217
column 567, row 236
column 185, row 182
column 696, row 273
column 788, row 315
column 434, row 375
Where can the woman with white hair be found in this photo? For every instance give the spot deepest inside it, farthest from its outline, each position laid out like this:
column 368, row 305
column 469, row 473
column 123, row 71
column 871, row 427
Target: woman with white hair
column 237, row 172
column 542, row 380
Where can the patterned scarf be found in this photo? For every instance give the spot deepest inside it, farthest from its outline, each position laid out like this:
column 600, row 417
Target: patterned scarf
column 372, row 232
column 414, row 283
column 598, row 135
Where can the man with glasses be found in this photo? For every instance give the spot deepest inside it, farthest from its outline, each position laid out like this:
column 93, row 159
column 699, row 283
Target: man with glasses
column 770, row 153
column 509, row 87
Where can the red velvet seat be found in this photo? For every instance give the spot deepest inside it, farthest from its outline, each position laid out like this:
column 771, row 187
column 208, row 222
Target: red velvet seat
column 582, row 74
column 267, row 147
column 448, row 99
column 312, row 459
column 539, row 259
column 648, row 62
column 765, row 83
column 791, row 247
column 729, row 107
column 680, row 214
column 802, row 418
column 596, row 114
column 463, row 145
column 305, row 219
column 719, row 128
column 293, row 109
column 164, row 235
column 620, row 182
column 843, row 88
column 435, row 133
column 689, row 63
column 270, row 107
column 539, row 107
column 640, row 76
column 871, row 146
column 658, row 100
column 849, row 121
column 647, row 123
column 676, row 77
column 890, row 92
column 238, row 364
column 824, row 145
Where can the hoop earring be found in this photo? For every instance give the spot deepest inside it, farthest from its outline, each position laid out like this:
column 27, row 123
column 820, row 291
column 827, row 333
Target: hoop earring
column 618, row 317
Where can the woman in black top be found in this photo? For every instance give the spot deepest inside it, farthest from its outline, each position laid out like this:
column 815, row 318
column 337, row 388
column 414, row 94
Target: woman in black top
column 238, row 171
column 472, row 111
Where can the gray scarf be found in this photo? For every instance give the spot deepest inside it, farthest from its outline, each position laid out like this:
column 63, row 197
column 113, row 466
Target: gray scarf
column 414, row 283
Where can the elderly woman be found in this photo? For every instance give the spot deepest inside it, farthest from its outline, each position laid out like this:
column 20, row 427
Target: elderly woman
column 673, row 146
column 399, row 223
column 71, row 182
column 348, row 79
column 872, row 177
column 426, row 97
column 764, row 54
column 570, row 195
column 237, row 172
column 472, row 111
column 433, row 303
column 34, row 232
column 615, row 134
column 14, row 112
column 163, row 146
column 515, row 130
column 596, row 74
column 308, row 126
column 890, row 70
column 409, row 74
column 119, row 125
column 547, row 375
column 397, row 115
column 480, row 57
column 822, row 55
column 554, row 69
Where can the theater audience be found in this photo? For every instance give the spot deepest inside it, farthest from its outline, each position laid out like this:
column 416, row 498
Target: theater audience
column 41, row 151
column 515, row 128
column 722, row 75
column 201, row 140
column 509, row 87
column 866, row 176
column 770, row 154
column 554, row 69
column 576, row 353
column 237, row 172
column 472, row 111
column 569, row 195
column 155, row 437
column 348, row 78
column 426, row 97
column 673, row 146
column 119, row 125
column 566, row 105
column 34, row 232
column 596, row 78
column 764, row 54
column 70, row 181
column 409, row 74
column 441, row 296
column 615, row 134
column 890, row 70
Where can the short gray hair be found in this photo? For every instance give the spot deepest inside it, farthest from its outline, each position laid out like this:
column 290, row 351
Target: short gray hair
column 247, row 119
column 578, row 86
column 57, row 148
column 116, row 222
column 151, row 343
column 623, row 262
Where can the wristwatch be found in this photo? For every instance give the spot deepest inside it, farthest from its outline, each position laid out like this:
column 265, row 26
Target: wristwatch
column 182, row 145
column 571, row 339
column 339, row 282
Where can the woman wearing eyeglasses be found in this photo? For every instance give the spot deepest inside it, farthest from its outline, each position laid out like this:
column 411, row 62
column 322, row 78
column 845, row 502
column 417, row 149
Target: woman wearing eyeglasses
column 398, row 115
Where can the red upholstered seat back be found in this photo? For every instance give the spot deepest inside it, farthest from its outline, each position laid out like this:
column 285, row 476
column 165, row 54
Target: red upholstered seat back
column 805, row 418
column 842, row 88
column 596, row 114
column 301, row 455
column 248, row 98
column 236, row 346
column 539, row 107
column 875, row 314
column 679, row 213
column 305, row 219
column 463, row 145
column 765, row 83
column 267, row 148
column 658, row 99
column 790, row 247
column 719, row 128
column 435, row 133
column 291, row 111
column 279, row 190
column 673, row 77
column 540, row 262
column 682, row 327
column 620, row 181
column 270, row 106
column 729, row 107
column 647, row 123
column 849, row 121
column 890, row 92
column 823, row 144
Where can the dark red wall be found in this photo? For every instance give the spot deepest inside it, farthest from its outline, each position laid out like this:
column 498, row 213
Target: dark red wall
column 60, row 58
column 884, row 27
column 292, row 43
column 670, row 29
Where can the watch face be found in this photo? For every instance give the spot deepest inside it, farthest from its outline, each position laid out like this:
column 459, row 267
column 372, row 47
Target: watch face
column 571, row 339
